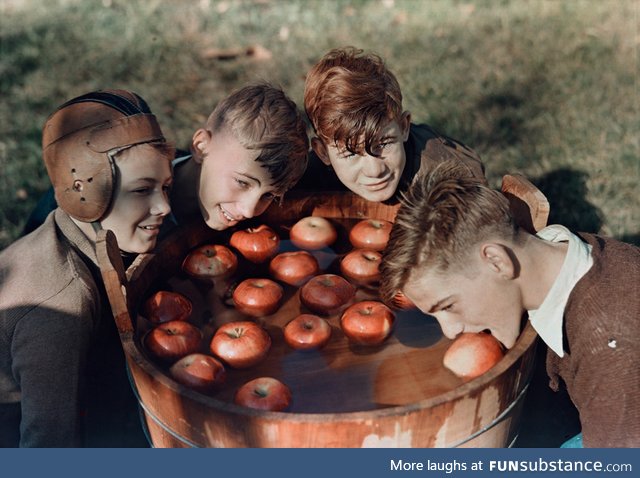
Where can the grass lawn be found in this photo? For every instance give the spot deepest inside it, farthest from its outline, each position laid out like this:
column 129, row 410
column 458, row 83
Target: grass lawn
column 546, row 88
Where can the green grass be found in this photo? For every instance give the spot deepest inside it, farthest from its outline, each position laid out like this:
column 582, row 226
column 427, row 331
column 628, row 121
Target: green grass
column 547, row 88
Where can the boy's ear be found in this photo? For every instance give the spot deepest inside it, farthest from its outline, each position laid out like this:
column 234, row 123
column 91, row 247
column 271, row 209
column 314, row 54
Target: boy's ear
column 198, row 143
column 405, row 124
column 499, row 260
column 321, row 150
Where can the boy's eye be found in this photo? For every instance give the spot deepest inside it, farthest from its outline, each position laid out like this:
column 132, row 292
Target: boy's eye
column 269, row 196
column 143, row 190
column 242, row 183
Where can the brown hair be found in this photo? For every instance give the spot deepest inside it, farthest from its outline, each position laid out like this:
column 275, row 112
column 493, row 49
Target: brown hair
column 350, row 95
column 443, row 214
column 261, row 117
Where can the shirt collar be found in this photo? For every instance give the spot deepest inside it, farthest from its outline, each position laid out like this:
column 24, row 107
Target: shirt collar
column 548, row 318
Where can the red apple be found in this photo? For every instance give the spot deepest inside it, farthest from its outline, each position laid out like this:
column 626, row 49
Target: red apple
column 257, row 297
column 312, row 233
column 240, row 344
column 401, row 301
column 362, row 266
column 173, row 340
column 307, row 332
column 368, row 322
column 370, row 234
column 470, row 355
column 294, row 268
column 326, row 294
column 264, row 393
column 198, row 371
column 256, row 244
column 209, row 261
column 164, row 306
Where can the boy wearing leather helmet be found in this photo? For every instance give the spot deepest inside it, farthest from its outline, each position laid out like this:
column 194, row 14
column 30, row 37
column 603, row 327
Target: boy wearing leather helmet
column 61, row 367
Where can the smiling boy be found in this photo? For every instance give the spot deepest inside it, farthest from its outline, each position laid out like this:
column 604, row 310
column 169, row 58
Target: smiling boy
column 62, row 372
column 363, row 135
column 252, row 149
column 457, row 253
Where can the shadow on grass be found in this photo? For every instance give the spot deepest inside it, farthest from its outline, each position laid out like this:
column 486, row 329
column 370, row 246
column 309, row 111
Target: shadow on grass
column 566, row 191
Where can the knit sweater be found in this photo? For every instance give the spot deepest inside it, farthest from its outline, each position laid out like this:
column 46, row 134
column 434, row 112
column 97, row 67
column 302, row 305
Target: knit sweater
column 59, row 352
column 601, row 369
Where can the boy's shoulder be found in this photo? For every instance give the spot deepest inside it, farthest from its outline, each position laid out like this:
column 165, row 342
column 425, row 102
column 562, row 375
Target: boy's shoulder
column 428, row 141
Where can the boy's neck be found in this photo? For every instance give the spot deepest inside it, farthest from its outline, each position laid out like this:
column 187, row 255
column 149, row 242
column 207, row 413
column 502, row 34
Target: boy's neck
column 541, row 266
column 184, row 196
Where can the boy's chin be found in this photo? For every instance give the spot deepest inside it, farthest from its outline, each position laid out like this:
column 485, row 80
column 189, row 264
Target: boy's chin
column 376, row 196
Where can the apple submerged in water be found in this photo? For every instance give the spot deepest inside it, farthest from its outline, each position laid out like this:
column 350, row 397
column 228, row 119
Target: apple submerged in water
column 370, row 234
column 257, row 244
column 173, row 340
column 164, row 306
column 368, row 322
column 307, row 332
column 257, row 297
column 362, row 266
column 312, row 233
column 264, row 393
column 241, row 344
column 199, row 371
column 472, row 354
column 325, row 294
column 210, row 261
column 294, row 268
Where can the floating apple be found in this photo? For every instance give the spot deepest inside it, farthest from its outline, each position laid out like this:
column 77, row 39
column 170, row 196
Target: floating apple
column 172, row 340
column 307, row 332
column 368, row 322
column 472, row 354
column 257, row 244
column 257, row 297
column 210, row 261
column 198, row 371
column 370, row 234
column 312, row 233
column 264, row 393
column 241, row 344
column 294, row 268
column 362, row 266
column 164, row 306
column 325, row 294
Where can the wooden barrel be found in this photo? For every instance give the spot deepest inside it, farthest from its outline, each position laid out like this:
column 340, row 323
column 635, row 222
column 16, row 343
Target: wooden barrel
column 394, row 395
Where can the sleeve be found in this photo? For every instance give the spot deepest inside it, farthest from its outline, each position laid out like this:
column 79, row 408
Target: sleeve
column 443, row 148
column 606, row 382
column 49, row 350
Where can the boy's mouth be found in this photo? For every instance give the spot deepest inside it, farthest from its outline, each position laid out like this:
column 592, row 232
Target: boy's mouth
column 226, row 215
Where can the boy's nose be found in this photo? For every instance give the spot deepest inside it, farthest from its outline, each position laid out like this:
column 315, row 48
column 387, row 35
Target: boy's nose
column 248, row 207
column 373, row 167
column 450, row 329
column 161, row 206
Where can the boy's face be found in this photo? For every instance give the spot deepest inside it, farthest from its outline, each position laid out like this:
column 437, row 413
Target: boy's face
column 233, row 185
column 478, row 300
column 141, row 200
column 375, row 178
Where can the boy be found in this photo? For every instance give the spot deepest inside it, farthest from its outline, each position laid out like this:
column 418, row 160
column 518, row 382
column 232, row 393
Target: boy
column 354, row 104
column 456, row 252
column 62, row 372
column 252, row 149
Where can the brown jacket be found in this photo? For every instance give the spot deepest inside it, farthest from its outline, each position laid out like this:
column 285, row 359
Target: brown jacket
column 601, row 368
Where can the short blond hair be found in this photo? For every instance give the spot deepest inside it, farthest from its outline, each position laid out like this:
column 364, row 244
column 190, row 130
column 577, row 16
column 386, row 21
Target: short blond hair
column 261, row 117
column 442, row 215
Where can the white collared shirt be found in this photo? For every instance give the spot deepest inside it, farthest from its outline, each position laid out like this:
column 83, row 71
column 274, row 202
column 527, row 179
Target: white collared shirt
column 547, row 319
